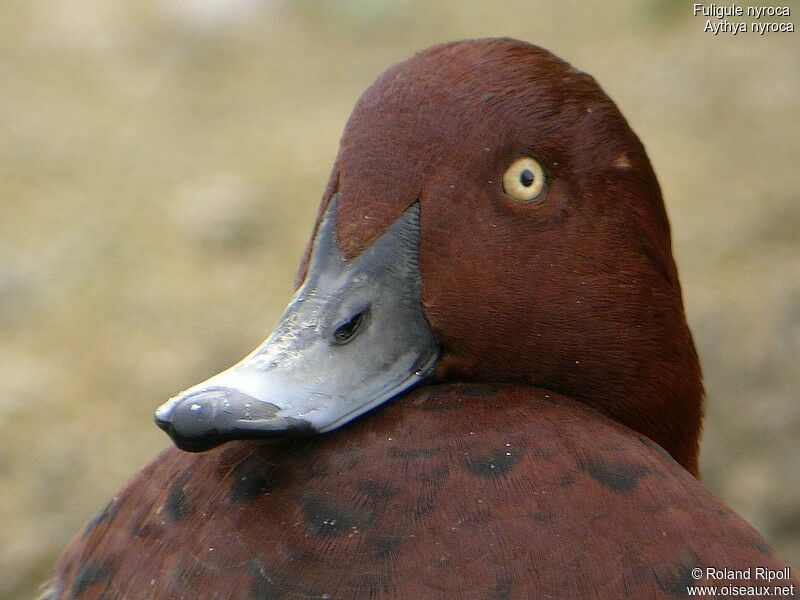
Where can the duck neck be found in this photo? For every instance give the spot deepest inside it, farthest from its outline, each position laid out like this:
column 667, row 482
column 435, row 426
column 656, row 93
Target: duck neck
column 658, row 394
column 662, row 399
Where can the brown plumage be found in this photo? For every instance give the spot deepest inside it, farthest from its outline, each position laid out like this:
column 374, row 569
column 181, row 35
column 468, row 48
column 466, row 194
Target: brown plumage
column 458, row 491
column 556, row 458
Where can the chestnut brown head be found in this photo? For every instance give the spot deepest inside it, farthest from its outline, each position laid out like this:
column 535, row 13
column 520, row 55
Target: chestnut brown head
column 499, row 196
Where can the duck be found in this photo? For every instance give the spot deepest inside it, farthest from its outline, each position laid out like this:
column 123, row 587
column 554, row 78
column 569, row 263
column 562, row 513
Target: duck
column 484, row 385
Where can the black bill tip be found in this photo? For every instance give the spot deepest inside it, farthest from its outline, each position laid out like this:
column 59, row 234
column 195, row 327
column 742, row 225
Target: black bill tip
column 207, row 418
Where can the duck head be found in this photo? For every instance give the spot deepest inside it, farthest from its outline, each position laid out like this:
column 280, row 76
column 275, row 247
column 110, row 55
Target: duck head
column 490, row 217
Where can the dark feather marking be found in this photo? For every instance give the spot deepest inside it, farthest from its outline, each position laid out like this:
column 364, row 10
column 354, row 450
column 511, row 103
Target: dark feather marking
column 763, row 548
column 377, row 490
column 501, row 590
column 139, row 527
column 267, row 585
column 617, row 475
column 107, row 514
column 90, row 574
column 497, row 465
column 423, row 504
column 543, row 516
column 254, row 477
column 177, row 506
column 385, row 545
column 326, row 518
column 677, row 580
column 264, row 586
column 436, row 476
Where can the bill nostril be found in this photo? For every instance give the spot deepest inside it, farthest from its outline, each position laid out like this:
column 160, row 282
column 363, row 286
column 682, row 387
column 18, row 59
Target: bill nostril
column 347, row 330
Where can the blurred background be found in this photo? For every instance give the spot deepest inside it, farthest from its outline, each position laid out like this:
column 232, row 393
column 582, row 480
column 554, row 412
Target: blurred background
column 160, row 169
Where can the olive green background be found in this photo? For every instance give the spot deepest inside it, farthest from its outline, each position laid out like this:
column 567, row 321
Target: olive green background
column 160, row 169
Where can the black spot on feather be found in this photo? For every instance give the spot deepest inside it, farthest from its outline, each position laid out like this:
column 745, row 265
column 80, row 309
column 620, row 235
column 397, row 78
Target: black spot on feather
column 254, row 477
column 497, row 465
column 89, row 575
column 762, row 548
column 542, row 516
column 177, row 506
column 107, row 514
column 616, row 475
column 678, row 579
column 326, row 518
column 268, row 585
column 377, row 490
column 385, row 545
column 264, row 585
column 501, row 590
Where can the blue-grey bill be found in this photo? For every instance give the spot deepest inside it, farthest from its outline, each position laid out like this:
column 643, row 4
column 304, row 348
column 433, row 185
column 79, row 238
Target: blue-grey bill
column 354, row 336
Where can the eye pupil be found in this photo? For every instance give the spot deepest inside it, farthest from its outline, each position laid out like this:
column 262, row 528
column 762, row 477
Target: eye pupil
column 526, row 178
column 345, row 332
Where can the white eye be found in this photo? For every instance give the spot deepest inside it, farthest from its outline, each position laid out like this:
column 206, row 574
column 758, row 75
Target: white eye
column 524, row 179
